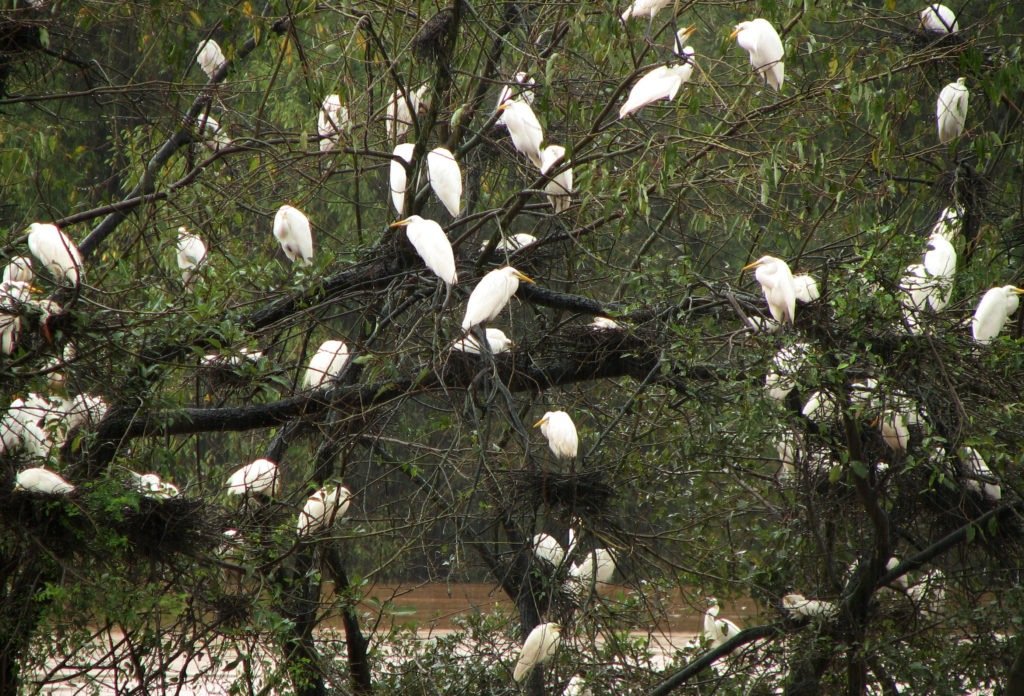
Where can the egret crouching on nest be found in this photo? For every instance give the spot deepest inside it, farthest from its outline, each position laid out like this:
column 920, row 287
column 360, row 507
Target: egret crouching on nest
column 259, row 478
column 323, row 509
column 540, row 646
column 41, row 480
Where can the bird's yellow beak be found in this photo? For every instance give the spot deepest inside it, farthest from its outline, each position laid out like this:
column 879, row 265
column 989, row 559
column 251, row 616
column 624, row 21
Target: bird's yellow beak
column 504, row 105
column 525, row 278
column 690, row 30
column 400, row 223
column 734, row 33
column 751, row 265
column 541, row 422
column 1018, row 291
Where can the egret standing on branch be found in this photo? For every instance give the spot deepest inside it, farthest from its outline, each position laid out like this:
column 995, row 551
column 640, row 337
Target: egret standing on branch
column 525, row 129
column 445, row 178
column 432, row 245
column 491, row 295
column 644, row 8
column 540, row 646
column 56, row 252
column 951, row 110
column 777, row 285
column 664, row 81
column 559, row 189
column 759, row 39
column 191, row 254
column 323, row 509
column 938, row 19
column 328, row 362
column 398, row 176
column 994, row 309
column 291, row 228
column 522, row 90
column 259, row 478
column 210, row 57
column 331, row 122
column 560, row 431
column 399, row 117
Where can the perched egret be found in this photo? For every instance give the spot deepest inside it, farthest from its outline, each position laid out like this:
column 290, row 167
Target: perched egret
column 445, row 178
column 788, row 361
column 806, row 288
column 895, row 433
column 559, row 189
column 759, row 38
column 398, row 178
column 399, row 116
column 210, row 57
column 891, row 564
column 497, row 341
column 522, row 89
column 41, row 480
column 644, row 8
column 994, row 309
column 662, row 82
column 214, row 136
column 331, row 122
column 56, row 252
column 787, row 447
column 291, row 228
column 777, row 285
column 547, row 548
column 151, row 486
column 328, row 362
column 22, row 425
column 560, row 431
column 940, row 267
column 938, row 19
column 717, row 630
column 597, row 567
column 577, row 687
column 259, row 478
column 979, row 478
column 524, row 128
column 915, row 288
column 800, row 607
column 821, row 407
column 191, row 254
column 323, row 509
column 491, row 295
column 19, row 269
column 948, row 224
column 951, row 110
column 85, row 409
column 540, row 646
column 516, row 241
column 13, row 294
column 432, row 245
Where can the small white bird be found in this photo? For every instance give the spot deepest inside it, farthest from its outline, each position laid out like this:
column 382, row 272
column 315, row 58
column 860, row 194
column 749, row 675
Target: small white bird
column 801, row 607
column 559, row 189
column 13, row 294
column 951, row 110
column 644, row 8
column 522, row 89
column 214, row 137
column 524, row 128
column 895, row 432
column 577, row 687
column 398, row 176
column 547, row 548
column 940, row 267
column 759, row 39
column 323, row 509
column 291, row 228
column 497, row 341
column 717, row 630
column 210, row 57
column 540, row 646
column 806, row 288
column 516, row 241
column 597, row 568
column 41, row 480
column 777, row 285
column 19, row 269
column 331, row 122
column 979, row 478
column 259, row 478
column 399, row 117
column 786, row 364
column 662, row 82
column 445, row 178
column 431, row 243
column 491, row 295
column 151, row 486
column 821, row 407
column 997, row 305
column 560, row 431
column 328, row 362
column 191, row 254
column 938, row 19
column 891, row 564
column 915, row 289
column 948, row 224
column 56, row 252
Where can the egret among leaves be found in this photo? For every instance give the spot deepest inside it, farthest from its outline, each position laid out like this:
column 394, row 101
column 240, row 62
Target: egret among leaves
column 951, row 110
column 56, row 252
column 398, row 175
column 559, row 189
column 760, row 40
column 560, row 431
column 191, row 254
column 491, row 295
column 445, row 178
column 328, row 362
column 210, row 57
column 997, row 305
column 540, row 646
column 430, row 242
column 291, row 228
column 325, row 507
column 524, row 128
column 778, row 287
column 938, row 19
column 664, row 81
column 259, row 478
column 331, row 122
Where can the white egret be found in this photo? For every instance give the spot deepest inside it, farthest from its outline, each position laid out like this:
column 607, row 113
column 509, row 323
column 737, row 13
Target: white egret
column 13, row 294
column 762, row 325
column 559, row 189
column 662, row 82
column 210, row 57
column 759, row 39
column 821, row 407
column 522, row 89
column 979, row 478
column 994, row 309
column 951, row 110
column 605, row 324
column 331, row 122
column 191, row 254
column 930, row 586
column 644, row 8
column 597, row 567
column 560, row 431
column 540, row 646
column 84, row 409
column 524, row 128
column 491, row 295
column 323, row 509
column 259, row 478
column 399, row 117
column 799, row 606
column 806, row 288
column 445, row 178
column 777, row 285
column 940, row 266
column 788, row 361
column 41, row 480
column 895, row 432
column 56, row 252
column 716, row 630
column 214, row 136
column 938, row 19
column 431, row 243
column 547, row 548
column 151, row 486
column 497, row 341
column 291, row 228
column 915, row 288
column 23, row 425
column 948, row 224
column 19, row 269
column 398, row 177
column 516, row 241
column 577, row 687
column 891, row 564
column 328, row 362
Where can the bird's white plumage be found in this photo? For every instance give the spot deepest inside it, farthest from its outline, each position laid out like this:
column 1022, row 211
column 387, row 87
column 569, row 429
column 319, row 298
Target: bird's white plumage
column 516, row 241
column 399, row 117
column 13, row 294
column 948, row 224
column 152, row 486
column 491, row 295
column 786, row 364
column 398, row 175
column 260, row 477
column 559, row 189
column 996, row 306
column 18, row 269
column 210, row 57
column 801, row 607
column 524, row 128
column 540, row 646
column 214, row 136
column 445, row 178
column 805, row 288
column 895, row 433
column 760, row 40
column 778, row 287
column 979, row 478
column 597, row 568
column 328, row 362
column 522, row 89
column 577, row 687
column 547, row 548
column 497, row 341
column 938, row 19
column 951, row 110
column 41, row 480
column 605, row 324
column 940, row 267
column 432, row 245
column 644, row 8
column 331, row 122
column 292, row 230
column 560, row 431
column 191, row 254
column 323, row 509
column 717, row 630
column 662, row 82
column 56, row 252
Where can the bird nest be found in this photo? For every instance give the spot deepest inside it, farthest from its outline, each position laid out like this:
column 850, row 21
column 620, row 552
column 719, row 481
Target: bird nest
column 50, row 520
column 159, row 529
column 583, row 493
column 434, row 39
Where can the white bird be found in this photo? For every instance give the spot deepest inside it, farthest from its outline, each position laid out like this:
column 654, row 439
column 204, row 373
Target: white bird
column 210, row 57
column 516, row 241
column 547, row 548
column 940, row 267
column 717, row 630
column 20, row 269
column 560, row 431
column 915, row 288
column 56, row 252
column 759, row 39
column 891, row 564
column 431, row 243
column 291, row 228
column 13, row 294
column 801, row 607
column 328, row 362
column 994, row 309
column 938, row 19
column 398, row 179
column 951, row 110
column 151, row 486
column 191, row 254
column 214, row 137
column 821, row 407
column 445, row 178
column 979, row 478
column 331, row 122
column 577, row 687
column 524, row 128
column 788, row 361
column 777, row 285
column 84, row 409
column 559, row 189
column 948, row 224
column 662, row 82
column 644, row 8
column 540, row 646
column 323, row 509
column 23, row 425
column 260, row 477
column 491, row 295
column 605, row 324
column 399, row 117
column 895, row 432
column 497, row 341
column 805, row 287
column 41, row 480
column 597, row 567
column 522, row 89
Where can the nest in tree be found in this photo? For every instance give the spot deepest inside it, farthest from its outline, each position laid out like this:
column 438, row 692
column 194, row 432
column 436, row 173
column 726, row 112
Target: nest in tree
column 48, row 519
column 584, row 493
column 161, row 528
column 233, row 610
column 434, row 39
